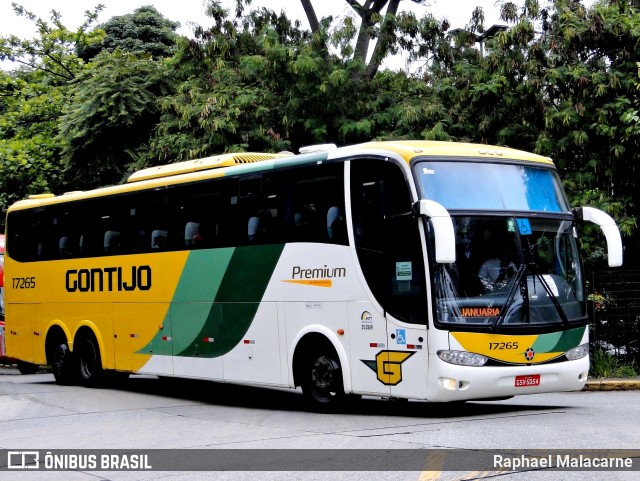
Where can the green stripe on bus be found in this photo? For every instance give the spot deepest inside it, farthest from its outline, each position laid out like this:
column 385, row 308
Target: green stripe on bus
column 559, row 341
column 192, row 300
column 202, row 275
column 236, row 302
column 570, row 339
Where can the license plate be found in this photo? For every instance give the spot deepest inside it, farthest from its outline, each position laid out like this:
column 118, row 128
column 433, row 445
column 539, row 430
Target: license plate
column 530, row 380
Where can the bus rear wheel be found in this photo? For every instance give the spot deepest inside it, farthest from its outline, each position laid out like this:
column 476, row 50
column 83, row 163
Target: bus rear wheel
column 89, row 360
column 322, row 381
column 62, row 363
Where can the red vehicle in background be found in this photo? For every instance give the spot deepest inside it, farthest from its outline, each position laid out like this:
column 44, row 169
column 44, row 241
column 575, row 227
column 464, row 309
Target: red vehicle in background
column 1, row 297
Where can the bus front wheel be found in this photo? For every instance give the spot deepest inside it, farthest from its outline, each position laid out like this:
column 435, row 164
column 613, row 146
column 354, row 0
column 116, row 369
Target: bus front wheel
column 89, row 360
column 322, row 382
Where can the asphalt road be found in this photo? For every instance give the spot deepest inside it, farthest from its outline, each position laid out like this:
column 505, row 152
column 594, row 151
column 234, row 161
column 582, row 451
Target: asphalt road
column 148, row 414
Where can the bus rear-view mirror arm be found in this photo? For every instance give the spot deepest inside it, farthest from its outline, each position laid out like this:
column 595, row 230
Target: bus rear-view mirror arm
column 445, row 237
column 609, row 228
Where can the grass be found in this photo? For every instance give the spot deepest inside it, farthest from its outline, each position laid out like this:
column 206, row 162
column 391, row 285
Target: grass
column 604, row 364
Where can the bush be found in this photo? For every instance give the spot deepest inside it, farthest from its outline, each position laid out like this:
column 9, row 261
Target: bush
column 604, row 364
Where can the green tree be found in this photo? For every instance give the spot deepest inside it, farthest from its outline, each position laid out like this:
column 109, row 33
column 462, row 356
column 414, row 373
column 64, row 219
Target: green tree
column 31, row 102
column 52, row 50
column 107, row 125
column 29, row 151
column 144, row 31
column 377, row 29
column 259, row 81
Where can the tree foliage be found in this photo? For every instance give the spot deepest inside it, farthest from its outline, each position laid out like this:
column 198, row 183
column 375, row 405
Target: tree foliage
column 52, row 50
column 145, row 31
column 29, row 153
column 109, row 122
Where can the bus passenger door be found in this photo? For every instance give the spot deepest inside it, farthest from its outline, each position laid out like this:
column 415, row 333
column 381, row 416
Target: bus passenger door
column 389, row 250
column 407, row 307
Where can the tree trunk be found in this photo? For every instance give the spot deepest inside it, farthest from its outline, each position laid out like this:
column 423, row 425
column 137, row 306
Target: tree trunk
column 311, row 15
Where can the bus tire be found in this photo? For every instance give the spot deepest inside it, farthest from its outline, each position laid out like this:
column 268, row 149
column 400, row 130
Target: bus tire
column 63, row 362
column 322, row 379
column 89, row 360
column 27, row 367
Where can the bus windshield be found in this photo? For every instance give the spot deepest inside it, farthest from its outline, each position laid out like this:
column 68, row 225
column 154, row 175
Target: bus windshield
column 491, row 186
column 517, row 261
column 511, row 272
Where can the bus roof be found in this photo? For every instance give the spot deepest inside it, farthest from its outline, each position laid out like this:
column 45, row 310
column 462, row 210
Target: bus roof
column 214, row 162
column 236, row 163
column 409, row 149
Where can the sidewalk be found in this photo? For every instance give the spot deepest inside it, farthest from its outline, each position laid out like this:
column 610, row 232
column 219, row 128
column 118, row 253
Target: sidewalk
column 613, row 384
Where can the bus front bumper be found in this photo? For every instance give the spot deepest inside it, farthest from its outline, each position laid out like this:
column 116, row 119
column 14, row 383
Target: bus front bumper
column 450, row 382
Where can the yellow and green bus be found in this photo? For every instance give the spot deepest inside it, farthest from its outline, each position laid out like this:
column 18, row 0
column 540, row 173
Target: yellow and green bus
column 403, row 269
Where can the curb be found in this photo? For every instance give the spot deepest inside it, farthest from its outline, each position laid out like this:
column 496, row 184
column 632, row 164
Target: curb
column 612, row 385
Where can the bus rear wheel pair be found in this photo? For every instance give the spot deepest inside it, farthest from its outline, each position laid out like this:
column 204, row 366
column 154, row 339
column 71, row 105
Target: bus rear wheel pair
column 83, row 365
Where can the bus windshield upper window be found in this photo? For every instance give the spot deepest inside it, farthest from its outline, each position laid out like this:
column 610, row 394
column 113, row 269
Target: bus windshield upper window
column 491, row 186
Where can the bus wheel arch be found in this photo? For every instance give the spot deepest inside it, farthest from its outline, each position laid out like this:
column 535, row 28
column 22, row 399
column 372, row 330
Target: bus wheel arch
column 89, row 359
column 318, row 369
column 59, row 356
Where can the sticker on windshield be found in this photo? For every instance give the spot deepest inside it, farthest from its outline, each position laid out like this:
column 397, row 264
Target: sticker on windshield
column 524, row 226
column 404, row 271
column 551, row 283
column 426, row 170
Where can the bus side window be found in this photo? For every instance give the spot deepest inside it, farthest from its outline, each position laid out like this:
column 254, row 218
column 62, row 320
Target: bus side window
column 111, row 242
column 66, row 247
column 159, row 239
column 336, row 229
column 192, row 236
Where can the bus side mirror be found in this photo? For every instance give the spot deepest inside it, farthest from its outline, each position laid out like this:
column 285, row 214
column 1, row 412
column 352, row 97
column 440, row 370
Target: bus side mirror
column 610, row 230
column 443, row 232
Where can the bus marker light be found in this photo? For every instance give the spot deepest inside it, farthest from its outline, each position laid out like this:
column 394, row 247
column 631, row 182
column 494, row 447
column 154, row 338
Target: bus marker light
column 133, row 335
column 249, row 341
column 36, row 333
column 340, row 332
column 166, row 338
column 207, row 339
column 414, row 346
column 377, row 344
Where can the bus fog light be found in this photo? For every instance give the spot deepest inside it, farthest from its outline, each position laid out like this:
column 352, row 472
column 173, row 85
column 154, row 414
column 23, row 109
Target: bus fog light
column 577, row 352
column 448, row 383
column 463, row 358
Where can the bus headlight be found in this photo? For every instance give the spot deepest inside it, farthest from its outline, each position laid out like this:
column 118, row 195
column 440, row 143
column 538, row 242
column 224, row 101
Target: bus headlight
column 463, row 358
column 577, row 352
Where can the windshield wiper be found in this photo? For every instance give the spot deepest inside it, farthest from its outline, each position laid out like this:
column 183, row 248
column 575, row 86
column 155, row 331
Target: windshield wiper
column 512, row 293
column 551, row 295
column 510, row 296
